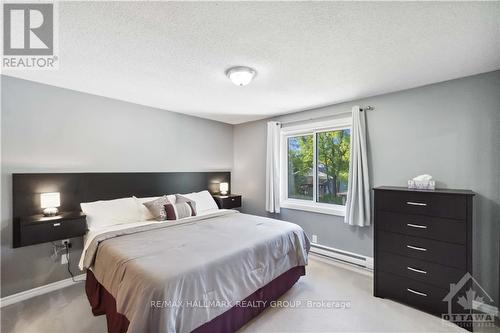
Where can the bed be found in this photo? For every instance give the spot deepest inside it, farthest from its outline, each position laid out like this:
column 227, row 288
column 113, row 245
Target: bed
column 207, row 273
column 229, row 258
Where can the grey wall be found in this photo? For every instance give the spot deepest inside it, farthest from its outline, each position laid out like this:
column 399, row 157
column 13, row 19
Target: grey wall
column 450, row 130
column 49, row 129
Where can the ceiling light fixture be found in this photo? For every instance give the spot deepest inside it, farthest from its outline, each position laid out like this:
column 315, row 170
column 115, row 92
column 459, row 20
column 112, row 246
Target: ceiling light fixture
column 241, row 75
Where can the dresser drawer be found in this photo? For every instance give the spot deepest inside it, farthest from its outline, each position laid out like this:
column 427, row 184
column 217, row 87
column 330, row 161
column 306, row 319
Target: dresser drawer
column 423, row 271
column 420, row 295
column 448, row 230
column 47, row 232
column 448, row 254
column 419, row 203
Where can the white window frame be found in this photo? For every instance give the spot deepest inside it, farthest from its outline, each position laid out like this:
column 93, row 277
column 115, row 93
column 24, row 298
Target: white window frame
column 308, row 129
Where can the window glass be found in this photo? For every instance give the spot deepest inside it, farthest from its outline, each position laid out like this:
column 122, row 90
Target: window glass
column 300, row 167
column 332, row 169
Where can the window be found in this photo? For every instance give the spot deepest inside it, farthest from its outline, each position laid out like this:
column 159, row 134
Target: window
column 332, row 169
column 315, row 166
column 300, row 167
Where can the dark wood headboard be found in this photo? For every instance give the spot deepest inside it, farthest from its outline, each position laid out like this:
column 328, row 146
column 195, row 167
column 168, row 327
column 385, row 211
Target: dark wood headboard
column 86, row 187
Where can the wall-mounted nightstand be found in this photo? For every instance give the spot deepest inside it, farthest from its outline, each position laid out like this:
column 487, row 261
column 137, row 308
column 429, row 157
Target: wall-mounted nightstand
column 227, row 201
column 41, row 229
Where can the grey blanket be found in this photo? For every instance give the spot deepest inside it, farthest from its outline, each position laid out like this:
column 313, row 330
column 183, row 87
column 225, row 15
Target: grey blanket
column 175, row 276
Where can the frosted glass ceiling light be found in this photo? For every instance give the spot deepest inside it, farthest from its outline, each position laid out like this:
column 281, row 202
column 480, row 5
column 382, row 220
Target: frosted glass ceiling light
column 241, row 75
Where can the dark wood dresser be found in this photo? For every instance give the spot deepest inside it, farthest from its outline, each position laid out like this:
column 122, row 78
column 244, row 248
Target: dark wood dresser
column 423, row 243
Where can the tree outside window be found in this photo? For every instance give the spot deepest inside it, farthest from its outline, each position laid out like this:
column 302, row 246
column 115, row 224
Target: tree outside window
column 330, row 160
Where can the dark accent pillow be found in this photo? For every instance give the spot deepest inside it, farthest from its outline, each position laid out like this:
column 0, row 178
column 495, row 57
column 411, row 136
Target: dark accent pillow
column 179, row 210
column 157, row 207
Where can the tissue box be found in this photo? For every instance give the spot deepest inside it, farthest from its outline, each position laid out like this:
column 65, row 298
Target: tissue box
column 422, row 184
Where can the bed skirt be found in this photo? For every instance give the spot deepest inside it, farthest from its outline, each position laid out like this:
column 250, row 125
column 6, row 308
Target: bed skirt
column 103, row 303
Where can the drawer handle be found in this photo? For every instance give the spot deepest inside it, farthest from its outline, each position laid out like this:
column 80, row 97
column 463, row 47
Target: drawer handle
column 416, row 270
column 416, row 292
column 416, row 248
column 56, row 224
column 233, row 199
column 412, row 203
column 411, row 225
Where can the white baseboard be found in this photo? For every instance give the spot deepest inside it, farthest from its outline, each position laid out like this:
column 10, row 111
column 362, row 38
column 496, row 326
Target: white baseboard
column 341, row 264
column 24, row 295
column 343, row 259
column 485, row 308
column 345, row 256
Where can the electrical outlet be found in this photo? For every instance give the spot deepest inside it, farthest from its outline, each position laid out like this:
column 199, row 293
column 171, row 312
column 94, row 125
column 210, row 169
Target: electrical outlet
column 64, row 259
column 315, row 238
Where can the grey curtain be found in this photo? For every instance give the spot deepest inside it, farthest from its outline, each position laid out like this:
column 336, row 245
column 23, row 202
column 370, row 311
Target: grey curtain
column 358, row 208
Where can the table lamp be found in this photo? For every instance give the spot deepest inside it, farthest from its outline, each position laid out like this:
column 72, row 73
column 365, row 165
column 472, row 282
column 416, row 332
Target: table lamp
column 223, row 188
column 49, row 202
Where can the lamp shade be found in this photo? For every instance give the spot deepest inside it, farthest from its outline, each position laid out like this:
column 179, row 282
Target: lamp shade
column 224, row 187
column 50, row 200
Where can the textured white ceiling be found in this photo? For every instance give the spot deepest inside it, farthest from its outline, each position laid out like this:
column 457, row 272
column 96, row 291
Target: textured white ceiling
column 172, row 55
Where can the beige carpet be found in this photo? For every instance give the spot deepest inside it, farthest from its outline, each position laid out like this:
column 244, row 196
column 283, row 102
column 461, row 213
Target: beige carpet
column 67, row 310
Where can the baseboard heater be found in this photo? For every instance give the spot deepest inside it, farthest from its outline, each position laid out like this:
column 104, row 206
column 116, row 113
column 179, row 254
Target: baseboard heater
column 343, row 256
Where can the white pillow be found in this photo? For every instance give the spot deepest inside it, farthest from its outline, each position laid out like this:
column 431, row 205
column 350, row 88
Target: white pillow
column 171, row 198
column 105, row 213
column 145, row 199
column 204, row 202
column 145, row 213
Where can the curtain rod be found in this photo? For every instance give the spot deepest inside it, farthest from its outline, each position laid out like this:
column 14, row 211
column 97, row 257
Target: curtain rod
column 366, row 108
